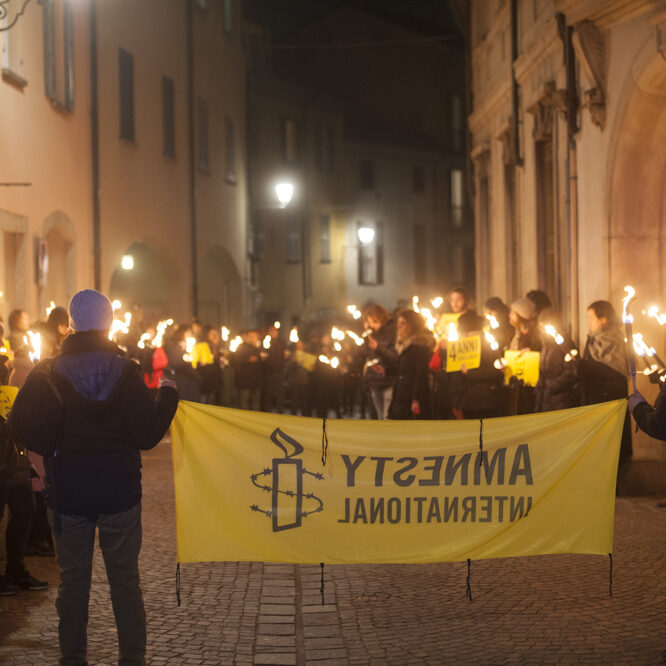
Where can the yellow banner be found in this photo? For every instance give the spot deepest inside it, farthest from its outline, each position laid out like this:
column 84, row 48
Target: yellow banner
column 7, row 397
column 522, row 365
column 466, row 351
column 252, row 487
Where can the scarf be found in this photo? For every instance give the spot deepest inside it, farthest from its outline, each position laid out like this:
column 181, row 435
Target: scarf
column 608, row 347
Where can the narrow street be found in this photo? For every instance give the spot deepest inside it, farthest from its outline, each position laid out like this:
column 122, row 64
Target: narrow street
column 549, row 609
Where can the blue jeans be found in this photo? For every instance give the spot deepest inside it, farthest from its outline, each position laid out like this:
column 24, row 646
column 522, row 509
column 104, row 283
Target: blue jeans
column 120, row 542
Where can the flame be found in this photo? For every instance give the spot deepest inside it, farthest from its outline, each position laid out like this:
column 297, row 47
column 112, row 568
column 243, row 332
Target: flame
column 50, row 308
column 267, row 342
column 142, row 341
column 235, row 343
column 430, row 320
column 627, row 317
column 337, row 346
column 415, row 304
column 116, row 305
column 277, row 324
column 550, row 329
column 120, row 325
column 492, row 320
column 161, row 329
column 293, row 335
column 335, row 362
column 225, row 332
column 354, row 311
column 35, row 343
column 437, row 302
column 324, row 359
column 452, row 332
column 494, row 345
column 356, row 338
column 654, row 312
column 641, row 347
column 337, row 334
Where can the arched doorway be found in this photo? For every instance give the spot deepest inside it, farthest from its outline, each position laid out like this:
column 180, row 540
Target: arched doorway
column 638, row 188
column 220, row 290
column 60, row 278
column 149, row 283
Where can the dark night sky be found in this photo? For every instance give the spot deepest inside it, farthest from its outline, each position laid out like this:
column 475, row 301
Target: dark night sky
column 435, row 15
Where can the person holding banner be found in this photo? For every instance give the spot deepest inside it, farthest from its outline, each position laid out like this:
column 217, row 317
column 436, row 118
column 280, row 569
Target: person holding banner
column 651, row 420
column 411, row 391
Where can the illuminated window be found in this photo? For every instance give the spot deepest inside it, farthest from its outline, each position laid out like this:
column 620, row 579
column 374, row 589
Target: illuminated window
column 371, row 258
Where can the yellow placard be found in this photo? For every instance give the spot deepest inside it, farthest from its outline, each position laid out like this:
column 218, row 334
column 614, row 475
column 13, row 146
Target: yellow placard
column 306, row 360
column 444, row 321
column 522, row 365
column 7, row 397
column 251, row 486
column 464, row 352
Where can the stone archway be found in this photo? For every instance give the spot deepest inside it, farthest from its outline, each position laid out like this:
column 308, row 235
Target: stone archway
column 151, row 283
column 60, row 280
column 220, row 290
column 637, row 244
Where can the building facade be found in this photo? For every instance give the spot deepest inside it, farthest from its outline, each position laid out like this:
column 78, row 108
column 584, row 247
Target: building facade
column 123, row 134
column 568, row 145
column 371, row 138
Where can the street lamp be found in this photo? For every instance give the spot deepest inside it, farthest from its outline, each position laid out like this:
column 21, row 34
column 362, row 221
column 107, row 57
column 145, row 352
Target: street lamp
column 284, row 193
column 127, row 262
column 4, row 12
column 366, row 235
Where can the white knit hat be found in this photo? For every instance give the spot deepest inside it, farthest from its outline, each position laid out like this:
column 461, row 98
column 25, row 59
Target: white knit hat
column 524, row 307
column 90, row 310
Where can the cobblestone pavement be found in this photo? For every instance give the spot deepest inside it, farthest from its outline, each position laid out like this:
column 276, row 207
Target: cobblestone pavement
column 548, row 609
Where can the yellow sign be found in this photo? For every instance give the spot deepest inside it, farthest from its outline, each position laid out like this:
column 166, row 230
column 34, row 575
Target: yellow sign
column 466, row 351
column 251, row 486
column 444, row 321
column 522, row 365
column 306, row 360
column 7, row 397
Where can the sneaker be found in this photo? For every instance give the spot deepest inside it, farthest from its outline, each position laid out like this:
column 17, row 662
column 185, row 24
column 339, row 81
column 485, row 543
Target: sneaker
column 7, row 589
column 27, row 582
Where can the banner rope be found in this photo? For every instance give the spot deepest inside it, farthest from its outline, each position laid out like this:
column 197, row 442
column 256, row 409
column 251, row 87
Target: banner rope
column 324, row 443
column 468, row 592
column 610, row 580
column 321, row 564
column 481, row 442
column 178, row 583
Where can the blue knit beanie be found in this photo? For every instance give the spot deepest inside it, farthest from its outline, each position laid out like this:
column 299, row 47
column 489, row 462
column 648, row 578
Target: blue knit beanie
column 90, row 310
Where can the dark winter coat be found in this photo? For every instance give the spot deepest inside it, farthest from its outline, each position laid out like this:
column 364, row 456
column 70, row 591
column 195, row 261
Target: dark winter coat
column 109, row 417
column 411, row 380
column 248, row 367
column 385, row 355
column 478, row 389
column 652, row 420
column 556, row 388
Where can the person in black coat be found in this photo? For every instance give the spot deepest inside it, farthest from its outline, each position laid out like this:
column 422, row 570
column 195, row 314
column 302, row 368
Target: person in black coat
column 94, row 477
column 411, row 390
column 556, row 388
column 248, row 371
column 476, row 391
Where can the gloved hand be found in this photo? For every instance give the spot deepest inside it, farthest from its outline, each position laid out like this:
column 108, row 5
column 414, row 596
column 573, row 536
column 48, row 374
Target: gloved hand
column 635, row 399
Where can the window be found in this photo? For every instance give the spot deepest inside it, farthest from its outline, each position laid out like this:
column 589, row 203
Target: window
column 293, row 240
column 371, row 258
column 12, row 65
column 367, row 175
column 230, row 150
column 418, row 179
column 126, row 89
column 228, row 16
column 202, row 136
column 457, row 198
column 58, row 53
column 325, row 239
column 289, row 140
column 168, row 118
column 420, row 255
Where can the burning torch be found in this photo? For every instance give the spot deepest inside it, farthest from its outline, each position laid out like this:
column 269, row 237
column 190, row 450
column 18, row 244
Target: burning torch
column 628, row 320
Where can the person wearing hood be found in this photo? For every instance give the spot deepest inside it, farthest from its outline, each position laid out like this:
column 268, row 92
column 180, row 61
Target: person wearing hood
column 522, row 317
column 411, row 390
column 603, row 367
column 94, row 477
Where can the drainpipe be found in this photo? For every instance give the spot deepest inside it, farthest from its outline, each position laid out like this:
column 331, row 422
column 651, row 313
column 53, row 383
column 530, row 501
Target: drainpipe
column 514, row 84
column 192, row 167
column 94, row 144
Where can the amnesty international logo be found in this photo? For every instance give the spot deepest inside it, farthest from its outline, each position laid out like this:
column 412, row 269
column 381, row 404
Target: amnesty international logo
column 284, row 480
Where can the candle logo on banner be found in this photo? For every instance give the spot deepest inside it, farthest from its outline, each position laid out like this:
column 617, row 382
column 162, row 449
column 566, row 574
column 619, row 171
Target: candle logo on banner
column 286, row 478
